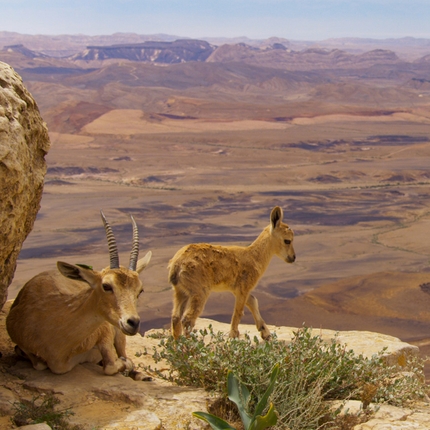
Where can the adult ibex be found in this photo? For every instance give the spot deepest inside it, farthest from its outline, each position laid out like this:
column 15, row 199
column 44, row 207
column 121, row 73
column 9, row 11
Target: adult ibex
column 76, row 315
column 198, row 269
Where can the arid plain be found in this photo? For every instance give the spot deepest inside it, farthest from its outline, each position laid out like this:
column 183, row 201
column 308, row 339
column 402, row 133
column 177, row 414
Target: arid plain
column 201, row 151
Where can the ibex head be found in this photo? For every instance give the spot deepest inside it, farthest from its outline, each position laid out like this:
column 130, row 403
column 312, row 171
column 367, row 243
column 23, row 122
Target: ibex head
column 282, row 235
column 117, row 288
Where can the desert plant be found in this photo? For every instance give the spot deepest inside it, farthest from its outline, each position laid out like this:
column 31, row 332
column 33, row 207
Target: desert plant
column 42, row 410
column 240, row 395
column 311, row 372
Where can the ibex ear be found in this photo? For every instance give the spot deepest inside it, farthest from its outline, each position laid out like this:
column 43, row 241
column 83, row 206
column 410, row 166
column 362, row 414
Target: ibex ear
column 143, row 262
column 77, row 273
column 276, row 217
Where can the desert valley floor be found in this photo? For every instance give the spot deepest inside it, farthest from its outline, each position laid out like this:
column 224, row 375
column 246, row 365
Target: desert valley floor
column 201, row 152
column 357, row 198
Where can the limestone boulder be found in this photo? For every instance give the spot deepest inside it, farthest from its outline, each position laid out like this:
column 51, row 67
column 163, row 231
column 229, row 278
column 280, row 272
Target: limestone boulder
column 24, row 142
column 387, row 417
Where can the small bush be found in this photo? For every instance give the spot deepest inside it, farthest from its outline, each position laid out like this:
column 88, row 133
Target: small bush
column 239, row 395
column 311, row 372
column 42, row 410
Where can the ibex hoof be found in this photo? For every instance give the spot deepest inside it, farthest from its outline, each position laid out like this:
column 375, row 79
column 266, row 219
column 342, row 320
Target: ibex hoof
column 234, row 333
column 187, row 331
column 139, row 376
column 122, row 365
column 265, row 333
column 128, row 364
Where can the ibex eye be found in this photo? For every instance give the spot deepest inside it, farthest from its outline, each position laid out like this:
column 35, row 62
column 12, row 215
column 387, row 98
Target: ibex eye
column 107, row 287
column 287, row 242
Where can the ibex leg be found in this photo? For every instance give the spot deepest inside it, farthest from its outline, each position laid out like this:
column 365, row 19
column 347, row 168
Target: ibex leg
column 180, row 302
column 239, row 305
column 252, row 305
column 194, row 310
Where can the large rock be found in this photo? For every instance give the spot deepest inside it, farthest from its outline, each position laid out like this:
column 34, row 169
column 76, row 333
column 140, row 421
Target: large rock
column 387, row 417
column 24, row 142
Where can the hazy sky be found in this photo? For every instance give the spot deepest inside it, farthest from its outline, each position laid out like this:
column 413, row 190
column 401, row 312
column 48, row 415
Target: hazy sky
column 291, row 19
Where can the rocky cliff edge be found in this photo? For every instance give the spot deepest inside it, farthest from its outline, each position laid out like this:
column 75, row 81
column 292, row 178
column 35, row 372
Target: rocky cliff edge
column 118, row 402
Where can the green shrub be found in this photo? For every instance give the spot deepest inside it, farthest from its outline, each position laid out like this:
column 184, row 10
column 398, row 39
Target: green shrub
column 311, row 371
column 42, row 410
column 240, row 396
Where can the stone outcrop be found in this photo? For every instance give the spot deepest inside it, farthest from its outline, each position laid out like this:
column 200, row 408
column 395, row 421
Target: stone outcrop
column 387, row 417
column 118, row 402
column 24, row 142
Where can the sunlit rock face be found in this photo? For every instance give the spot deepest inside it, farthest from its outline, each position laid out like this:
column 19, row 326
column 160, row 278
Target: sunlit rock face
column 24, row 142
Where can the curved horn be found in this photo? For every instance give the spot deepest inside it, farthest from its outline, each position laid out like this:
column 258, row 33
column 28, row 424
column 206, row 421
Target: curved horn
column 113, row 250
column 135, row 248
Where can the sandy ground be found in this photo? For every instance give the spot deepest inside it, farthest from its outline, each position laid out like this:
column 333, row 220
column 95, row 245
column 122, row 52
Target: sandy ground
column 134, row 121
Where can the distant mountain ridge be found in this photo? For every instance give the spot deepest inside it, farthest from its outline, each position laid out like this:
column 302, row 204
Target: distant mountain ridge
column 307, row 59
column 20, row 48
column 66, row 45
column 332, row 80
column 178, row 51
column 275, row 55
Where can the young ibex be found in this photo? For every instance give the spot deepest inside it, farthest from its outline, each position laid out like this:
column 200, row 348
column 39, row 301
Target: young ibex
column 78, row 315
column 198, row 269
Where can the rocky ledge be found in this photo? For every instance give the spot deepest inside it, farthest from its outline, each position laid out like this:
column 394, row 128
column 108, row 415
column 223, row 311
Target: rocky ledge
column 118, row 402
